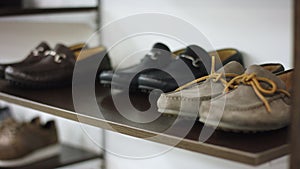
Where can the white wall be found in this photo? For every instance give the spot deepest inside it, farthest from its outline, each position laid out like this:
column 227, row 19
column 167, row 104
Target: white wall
column 262, row 30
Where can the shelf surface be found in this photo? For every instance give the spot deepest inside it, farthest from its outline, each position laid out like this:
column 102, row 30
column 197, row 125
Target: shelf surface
column 68, row 156
column 28, row 11
column 252, row 148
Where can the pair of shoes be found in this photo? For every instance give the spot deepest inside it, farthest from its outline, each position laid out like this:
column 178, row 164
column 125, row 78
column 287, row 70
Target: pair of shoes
column 25, row 143
column 161, row 70
column 234, row 99
column 53, row 68
column 36, row 55
column 257, row 100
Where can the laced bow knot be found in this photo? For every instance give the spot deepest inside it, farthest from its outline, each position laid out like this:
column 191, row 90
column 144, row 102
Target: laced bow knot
column 255, row 82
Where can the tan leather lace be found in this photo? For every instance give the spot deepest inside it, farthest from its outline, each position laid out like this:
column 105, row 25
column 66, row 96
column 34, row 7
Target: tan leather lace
column 213, row 75
column 254, row 81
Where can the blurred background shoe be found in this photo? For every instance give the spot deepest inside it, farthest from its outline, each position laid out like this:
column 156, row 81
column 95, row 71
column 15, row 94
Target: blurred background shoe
column 56, row 69
column 35, row 56
column 28, row 142
column 4, row 113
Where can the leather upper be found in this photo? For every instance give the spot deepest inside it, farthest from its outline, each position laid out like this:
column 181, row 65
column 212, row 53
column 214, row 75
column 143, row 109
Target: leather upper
column 56, row 68
column 48, row 69
column 182, row 70
column 20, row 139
column 158, row 57
column 34, row 56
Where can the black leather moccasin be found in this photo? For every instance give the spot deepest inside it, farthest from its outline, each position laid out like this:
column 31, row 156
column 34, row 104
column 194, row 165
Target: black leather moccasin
column 158, row 57
column 195, row 62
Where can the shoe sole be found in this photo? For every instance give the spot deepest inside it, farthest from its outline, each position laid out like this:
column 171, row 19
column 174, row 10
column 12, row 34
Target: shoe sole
column 237, row 129
column 33, row 157
column 25, row 84
column 174, row 113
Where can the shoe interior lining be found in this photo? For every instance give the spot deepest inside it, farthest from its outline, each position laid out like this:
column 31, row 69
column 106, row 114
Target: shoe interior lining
column 223, row 53
column 178, row 52
column 286, row 77
column 77, row 47
column 79, row 55
column 271, row 68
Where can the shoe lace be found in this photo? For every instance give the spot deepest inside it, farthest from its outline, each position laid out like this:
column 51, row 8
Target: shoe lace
column 58, row 57
column 255, row 82
column 215, row 76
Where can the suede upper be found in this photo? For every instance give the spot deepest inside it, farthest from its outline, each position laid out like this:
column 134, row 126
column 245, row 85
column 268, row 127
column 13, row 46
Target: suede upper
column 242, row 106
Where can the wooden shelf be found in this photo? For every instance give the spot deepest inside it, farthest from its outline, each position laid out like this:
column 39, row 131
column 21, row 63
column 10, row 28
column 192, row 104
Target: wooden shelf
column 25, row 11
column 253, row 149
column 68, row 156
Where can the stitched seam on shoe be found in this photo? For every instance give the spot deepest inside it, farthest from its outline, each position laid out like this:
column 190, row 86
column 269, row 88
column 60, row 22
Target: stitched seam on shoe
column 259, row 105
column 181, row 98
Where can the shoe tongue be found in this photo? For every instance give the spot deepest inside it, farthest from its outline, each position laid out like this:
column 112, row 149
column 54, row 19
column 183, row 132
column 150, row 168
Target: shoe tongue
column 44, row 45
column 160, row 46
column 60, row 48
column 261, row 72
column 232, row 67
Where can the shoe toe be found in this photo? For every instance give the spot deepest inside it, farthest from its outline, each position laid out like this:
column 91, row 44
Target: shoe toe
column 241, row 118
column 13, row 72
column 151, row 83
column 176, row 104
column 167, row 103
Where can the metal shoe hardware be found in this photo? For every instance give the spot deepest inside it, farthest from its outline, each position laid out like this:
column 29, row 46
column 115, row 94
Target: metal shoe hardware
column 58, row 57
column 37, row 51
column 153, row 55
column 195, row 62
